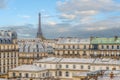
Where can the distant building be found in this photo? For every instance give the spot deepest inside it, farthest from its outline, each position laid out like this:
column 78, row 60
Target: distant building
column 105, row 47
column 8, row 51
column 7, row 37
column 72, row 47
column 30, row 50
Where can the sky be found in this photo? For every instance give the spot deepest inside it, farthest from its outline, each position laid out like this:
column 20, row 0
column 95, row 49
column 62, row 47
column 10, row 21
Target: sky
column 61, row 18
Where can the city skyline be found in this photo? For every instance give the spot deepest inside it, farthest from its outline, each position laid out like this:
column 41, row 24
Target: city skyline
column 84, row 18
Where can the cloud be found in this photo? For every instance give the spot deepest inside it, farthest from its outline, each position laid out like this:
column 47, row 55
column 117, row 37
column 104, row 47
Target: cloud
column 78, row 18
column 67, row 16
column 24, row 16
column 52, row 23
column 104, row 28
column 80, row 9
column 2, row 3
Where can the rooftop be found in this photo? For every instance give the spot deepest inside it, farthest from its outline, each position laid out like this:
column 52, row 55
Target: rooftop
column 114, row 40
column 79, row 60
column 28, row 68
column 71, row 40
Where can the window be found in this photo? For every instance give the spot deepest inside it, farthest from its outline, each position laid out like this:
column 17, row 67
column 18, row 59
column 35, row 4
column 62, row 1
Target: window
column 88, row 67
column 20, row 74
column 102, row 47
column 117, row 47
column 67, row 66
column 63, row 46
column 60, row 66
column 67, row 74
column 84, row 53
column 68, row 52
column 77, row 52
column 81, row 66
column 84, row 46
column 74, row 66
column 43, row 74
column 14, row 75
column 47, row 74
column 107, row 47
column 60, row 73
column 73, row 46
column 26, row 75
column 37, row 55
column 112, row 47
column 107, row 68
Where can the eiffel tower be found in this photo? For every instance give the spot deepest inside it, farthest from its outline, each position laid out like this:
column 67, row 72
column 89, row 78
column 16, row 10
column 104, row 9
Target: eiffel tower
column 39, row 32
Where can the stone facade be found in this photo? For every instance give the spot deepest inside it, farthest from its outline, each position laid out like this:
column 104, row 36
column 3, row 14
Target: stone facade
column 8, row 51
column 30, row 50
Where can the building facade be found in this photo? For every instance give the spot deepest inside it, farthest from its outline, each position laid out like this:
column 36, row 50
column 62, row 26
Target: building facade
column 68, row 68
column 8, row 51
column 72, row 47
column 30, row 50
column 105, row 47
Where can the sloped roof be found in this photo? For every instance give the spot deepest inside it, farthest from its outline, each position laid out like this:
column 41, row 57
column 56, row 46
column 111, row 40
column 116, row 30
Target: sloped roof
column 28, row 68
column 105, row 40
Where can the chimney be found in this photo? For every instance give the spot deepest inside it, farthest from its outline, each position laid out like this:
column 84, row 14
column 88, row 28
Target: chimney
column 111, row 75
column 91, row 38
column 116, row 37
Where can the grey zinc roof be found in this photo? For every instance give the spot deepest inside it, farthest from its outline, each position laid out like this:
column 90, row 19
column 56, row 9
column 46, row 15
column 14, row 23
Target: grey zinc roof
column 80, row 60
column 66, row 60
column 73, row 41
column 28, row 68
column 107, row 61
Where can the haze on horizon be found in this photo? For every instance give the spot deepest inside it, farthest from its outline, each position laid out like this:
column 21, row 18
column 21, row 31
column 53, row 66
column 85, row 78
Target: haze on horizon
column 61, row 18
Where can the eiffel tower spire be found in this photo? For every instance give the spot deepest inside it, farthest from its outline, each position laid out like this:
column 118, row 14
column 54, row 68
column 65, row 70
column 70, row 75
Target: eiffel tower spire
column 39, row 32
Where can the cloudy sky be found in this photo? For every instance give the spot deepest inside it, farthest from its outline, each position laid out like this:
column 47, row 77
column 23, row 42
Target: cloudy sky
column 61, row 18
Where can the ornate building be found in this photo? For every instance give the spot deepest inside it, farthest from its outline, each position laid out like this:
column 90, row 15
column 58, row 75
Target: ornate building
column 30, row 50
column 72, row 47
column 8, row 51
column 105, row 47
